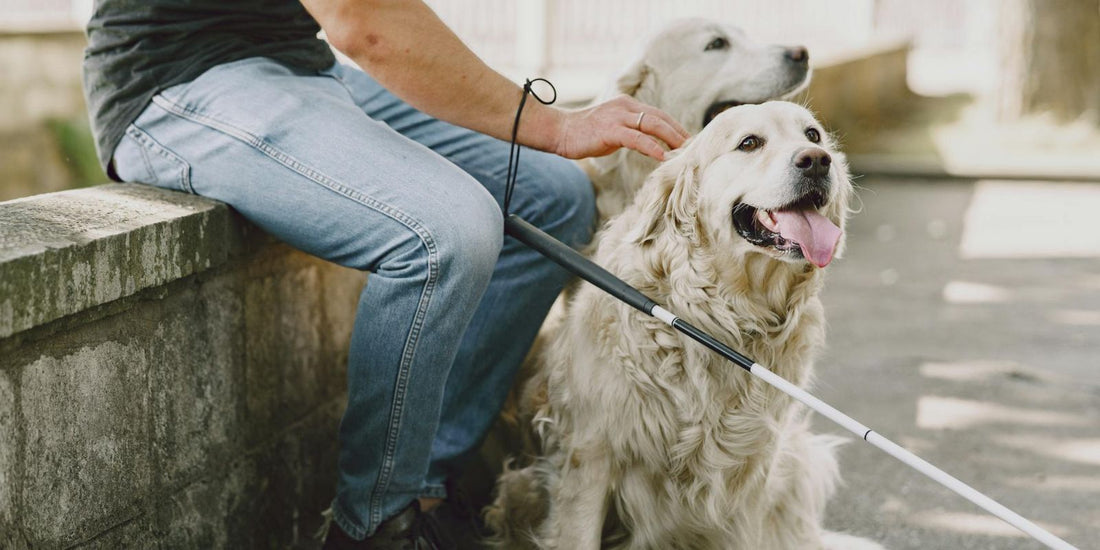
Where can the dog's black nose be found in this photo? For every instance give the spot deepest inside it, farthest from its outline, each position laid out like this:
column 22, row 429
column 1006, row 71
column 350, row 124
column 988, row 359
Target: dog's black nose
column 813, row 162
column 797, row 54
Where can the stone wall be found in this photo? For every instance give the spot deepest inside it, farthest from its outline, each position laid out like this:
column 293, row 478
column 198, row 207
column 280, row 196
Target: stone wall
column 169, row 376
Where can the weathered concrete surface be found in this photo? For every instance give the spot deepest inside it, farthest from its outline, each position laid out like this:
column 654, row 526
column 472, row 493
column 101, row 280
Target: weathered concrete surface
column 987, row 367
column 61, row 253
column 7, row 456
column 86, row 438
column 169, row 377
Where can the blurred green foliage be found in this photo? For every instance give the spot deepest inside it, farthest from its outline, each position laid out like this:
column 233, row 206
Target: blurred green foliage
column 76, row 147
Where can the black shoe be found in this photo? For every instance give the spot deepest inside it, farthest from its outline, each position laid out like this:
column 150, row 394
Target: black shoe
column 410, row 529
column 459, row 516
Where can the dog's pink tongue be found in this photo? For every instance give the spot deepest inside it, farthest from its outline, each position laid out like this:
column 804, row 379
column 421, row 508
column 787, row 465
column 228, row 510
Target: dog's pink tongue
column 813, row 232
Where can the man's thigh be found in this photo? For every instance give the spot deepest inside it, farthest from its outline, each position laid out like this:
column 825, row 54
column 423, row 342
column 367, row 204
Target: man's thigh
column 296, row 156
column 549, row 187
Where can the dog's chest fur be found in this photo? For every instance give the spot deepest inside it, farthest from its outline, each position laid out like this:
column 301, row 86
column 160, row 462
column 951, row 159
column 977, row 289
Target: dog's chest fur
column 684, row 424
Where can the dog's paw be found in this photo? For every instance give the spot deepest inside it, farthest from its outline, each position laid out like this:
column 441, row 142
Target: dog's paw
column 521, row 505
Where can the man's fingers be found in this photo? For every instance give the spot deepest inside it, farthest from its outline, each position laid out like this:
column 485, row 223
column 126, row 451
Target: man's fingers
column 663, row 130
column 643, row 144
column 672, row 125
column 656, row 123
column 620, row 122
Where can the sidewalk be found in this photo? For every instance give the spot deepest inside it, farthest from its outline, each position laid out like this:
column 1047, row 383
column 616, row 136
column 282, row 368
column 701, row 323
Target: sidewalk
column 987, row 367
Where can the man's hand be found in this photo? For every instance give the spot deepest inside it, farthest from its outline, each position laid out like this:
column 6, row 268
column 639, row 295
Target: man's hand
column 620, row 122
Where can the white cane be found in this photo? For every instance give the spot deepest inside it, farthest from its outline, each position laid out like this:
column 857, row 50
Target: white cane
column 589, row 271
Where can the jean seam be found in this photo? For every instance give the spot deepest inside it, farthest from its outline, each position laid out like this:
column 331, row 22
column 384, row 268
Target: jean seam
column 425, row 236
column 147, row 144
column 136, row 136
column 340, row 80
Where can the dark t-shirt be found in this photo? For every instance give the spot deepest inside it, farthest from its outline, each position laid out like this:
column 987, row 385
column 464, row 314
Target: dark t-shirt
column 137, row 48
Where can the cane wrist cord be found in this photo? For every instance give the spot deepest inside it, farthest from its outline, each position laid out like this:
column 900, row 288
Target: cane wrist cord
column 513, row 150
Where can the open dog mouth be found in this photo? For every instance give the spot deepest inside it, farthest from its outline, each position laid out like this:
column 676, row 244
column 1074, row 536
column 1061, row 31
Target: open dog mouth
column 717, row 107
column 796, row 229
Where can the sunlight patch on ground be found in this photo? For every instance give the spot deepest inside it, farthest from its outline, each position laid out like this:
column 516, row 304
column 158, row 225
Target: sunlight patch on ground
column 1088, row 282
column 1084, row 451
column 969, row 371
column 934, row 413
column 976, row 524
column 917, row 445
column 1032, row 220
column 1087, row 484
column 894, row 505
column 1075, row 317
column 963, row 292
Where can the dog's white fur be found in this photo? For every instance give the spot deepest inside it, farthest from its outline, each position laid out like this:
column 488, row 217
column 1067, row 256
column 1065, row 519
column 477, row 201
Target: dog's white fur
column 676, row 73
column 674, row 447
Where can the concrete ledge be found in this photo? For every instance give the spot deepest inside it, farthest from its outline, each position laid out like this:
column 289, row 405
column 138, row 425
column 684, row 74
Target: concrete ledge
column 62, row 253
column 169, row 376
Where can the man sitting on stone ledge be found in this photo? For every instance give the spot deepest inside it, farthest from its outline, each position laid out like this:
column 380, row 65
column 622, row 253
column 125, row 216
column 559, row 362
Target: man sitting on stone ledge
column 399, row 170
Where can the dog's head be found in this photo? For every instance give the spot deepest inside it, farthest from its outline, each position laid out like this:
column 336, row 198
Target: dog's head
column 696, row 68
column 760, row 179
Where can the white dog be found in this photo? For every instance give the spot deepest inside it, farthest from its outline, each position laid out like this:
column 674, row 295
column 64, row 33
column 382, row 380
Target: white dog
column 650, row 440
column 693, row 69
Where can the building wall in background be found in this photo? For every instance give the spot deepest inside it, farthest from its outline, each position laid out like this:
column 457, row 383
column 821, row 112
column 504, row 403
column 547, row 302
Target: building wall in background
column 44, row 138
column 28, row 15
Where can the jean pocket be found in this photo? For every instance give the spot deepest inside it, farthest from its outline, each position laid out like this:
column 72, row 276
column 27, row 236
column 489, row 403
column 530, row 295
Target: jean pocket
column 141, row 159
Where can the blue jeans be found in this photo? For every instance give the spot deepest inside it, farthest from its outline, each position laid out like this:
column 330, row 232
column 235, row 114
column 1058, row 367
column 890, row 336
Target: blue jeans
column 338, row 167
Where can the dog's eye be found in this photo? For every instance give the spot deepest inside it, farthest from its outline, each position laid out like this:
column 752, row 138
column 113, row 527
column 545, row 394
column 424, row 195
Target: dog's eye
column 750, row 144
column 813, row 135
column 717, row 44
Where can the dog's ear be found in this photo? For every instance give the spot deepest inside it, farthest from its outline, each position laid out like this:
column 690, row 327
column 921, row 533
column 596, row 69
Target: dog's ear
column 632, row 78
column 667, row 204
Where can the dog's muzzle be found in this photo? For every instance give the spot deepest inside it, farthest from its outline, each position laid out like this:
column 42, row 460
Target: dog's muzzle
column 812, row 165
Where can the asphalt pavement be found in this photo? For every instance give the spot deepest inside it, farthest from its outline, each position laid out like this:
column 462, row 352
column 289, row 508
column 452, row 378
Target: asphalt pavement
column 974, row 345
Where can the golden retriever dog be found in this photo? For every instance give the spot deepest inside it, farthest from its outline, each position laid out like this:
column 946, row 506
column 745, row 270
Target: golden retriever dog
column 649, row 440
column 692, row 69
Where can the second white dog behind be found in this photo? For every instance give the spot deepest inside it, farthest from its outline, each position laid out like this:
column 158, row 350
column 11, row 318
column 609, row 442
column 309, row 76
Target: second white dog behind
column 693, row 69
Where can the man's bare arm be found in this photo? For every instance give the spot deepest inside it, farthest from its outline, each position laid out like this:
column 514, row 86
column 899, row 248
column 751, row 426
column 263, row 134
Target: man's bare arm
column 411, row 52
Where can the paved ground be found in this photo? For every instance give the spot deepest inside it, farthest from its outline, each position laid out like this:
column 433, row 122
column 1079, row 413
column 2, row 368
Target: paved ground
column 988, row 368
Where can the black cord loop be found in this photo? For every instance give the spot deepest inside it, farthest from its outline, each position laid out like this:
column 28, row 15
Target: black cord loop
column 513, row 150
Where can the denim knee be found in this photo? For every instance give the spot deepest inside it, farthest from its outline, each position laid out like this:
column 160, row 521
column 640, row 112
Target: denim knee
column 469, row 240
